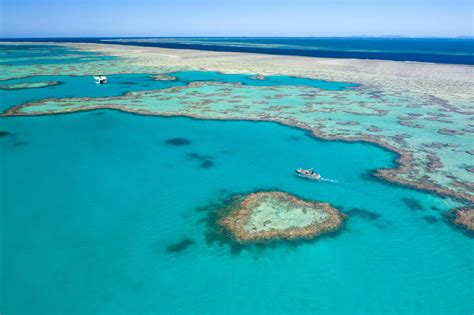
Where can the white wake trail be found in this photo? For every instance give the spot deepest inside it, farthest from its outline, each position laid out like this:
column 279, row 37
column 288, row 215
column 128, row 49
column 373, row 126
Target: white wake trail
column 328, row 180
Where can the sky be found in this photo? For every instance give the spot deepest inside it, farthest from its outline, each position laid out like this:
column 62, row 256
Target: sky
column 83, row 18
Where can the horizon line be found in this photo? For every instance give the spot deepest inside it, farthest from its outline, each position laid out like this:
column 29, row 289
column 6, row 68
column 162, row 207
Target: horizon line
column 204, row 36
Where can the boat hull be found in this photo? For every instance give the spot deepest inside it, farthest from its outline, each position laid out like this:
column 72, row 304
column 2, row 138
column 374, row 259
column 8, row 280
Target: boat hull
column 301, row 173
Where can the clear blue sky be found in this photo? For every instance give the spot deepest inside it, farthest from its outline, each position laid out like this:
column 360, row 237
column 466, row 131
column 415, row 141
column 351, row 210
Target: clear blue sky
column 43, row 18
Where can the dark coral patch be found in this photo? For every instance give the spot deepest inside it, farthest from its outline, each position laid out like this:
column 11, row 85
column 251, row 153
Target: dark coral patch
column 178, row 141
column 374, row 129
column 295, row 138
column 197, row 156
column 18, row 143
column 215, row 233
column 413, row 204
column 207, row 164
column 181, row 246
column 409, row 124
column 368, row 176
column 431, row 219
column 4, row 134
column 365, row 214
column 206, row 160
column 470, row 169
column 449, row 132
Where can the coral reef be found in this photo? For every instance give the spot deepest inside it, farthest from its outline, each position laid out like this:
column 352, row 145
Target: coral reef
column 264, row 216
column 464, row 217
column 178, row 141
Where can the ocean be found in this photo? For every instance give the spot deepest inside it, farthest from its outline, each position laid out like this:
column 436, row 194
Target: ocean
column 434, row 50
column 106, row 212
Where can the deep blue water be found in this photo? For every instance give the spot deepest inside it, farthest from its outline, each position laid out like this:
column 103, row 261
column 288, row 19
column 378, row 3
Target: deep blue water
column 455, row 51
column 436, row 50
column 91, row 201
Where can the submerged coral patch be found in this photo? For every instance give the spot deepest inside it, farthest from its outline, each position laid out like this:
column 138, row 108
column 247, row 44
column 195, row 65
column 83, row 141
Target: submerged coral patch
column 430, row 219
column 181, row 246
column 206, row 164
column 365, row 214
column 295, row 138
column 266, row 216
column 18, row 143
column 4, row 134
column 206, row 160
column 178, row 141
column 413, row 204
column 197, row 156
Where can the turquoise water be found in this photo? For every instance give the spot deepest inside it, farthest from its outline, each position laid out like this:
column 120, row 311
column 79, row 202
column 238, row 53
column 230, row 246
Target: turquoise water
column 91, row 201
column 119, row 84
column 272, row 80
column 80, row 86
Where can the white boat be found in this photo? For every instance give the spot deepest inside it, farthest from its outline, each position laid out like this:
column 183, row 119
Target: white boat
column 309, row 174
column 100, row 79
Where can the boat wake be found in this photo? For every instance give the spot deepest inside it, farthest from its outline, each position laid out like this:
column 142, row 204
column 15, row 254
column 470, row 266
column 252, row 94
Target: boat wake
column 328, row 180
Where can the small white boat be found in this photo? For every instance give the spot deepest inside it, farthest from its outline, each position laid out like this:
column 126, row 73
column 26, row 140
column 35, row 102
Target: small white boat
column 309, row 174
column 100, row 79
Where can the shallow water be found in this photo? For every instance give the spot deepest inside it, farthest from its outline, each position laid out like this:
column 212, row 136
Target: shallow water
column 80, row 86
column 119, row 84
column 92, row 201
